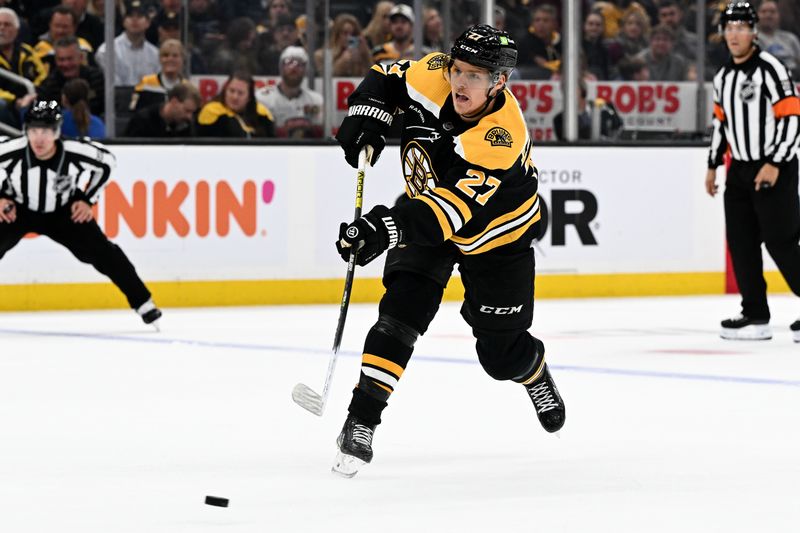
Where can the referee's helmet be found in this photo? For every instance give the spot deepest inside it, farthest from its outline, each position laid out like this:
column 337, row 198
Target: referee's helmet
column 44, row 114
column 738, row 12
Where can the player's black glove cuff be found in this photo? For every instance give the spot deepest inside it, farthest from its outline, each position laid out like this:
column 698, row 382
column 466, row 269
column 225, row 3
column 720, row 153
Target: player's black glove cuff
column 366, row 123
column 370, row 235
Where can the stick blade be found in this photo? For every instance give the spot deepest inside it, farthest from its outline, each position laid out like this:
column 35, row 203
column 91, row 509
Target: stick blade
column 307, row 399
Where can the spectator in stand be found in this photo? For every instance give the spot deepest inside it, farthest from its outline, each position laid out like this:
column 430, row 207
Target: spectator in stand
column 268, row 22
column 610, row 126
column 516, row 17
column 594, row 49
column 69, row 65
column 168, row 11
column 238, row 52
column 269, row 50
column 349, row 52
column 63, row 23
column 790, row 15
column 432, row 29
column 89, row 27
column 78, row 118
column 541, row 47
column 169, row 27
column 378, row 30
column 173, row 118
column 205, row 26
column 401, row 46
column 153, row 88
column 97, row 8
column 781, row 43
column 633, row 69
column 134, row 56
column 662, row 62
column 670, row 13
column 634, row 35
column 296, row 111
column 614, row 11
column 20, row 59
column 234, row 112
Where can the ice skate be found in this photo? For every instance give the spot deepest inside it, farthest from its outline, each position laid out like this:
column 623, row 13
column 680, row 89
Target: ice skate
column 742, row 328
column 355, row 447
column 547, row 401
column 795, row 327
column 150, row 314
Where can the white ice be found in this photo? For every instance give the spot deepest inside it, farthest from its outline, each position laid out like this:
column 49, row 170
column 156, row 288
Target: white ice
column 106, row 426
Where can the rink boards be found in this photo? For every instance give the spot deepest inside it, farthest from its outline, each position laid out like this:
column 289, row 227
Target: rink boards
column 237, row 225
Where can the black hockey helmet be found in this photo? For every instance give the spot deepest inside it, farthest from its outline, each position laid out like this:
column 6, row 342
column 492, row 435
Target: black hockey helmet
column 738, row 12
column 486, row 47
column 44, row 114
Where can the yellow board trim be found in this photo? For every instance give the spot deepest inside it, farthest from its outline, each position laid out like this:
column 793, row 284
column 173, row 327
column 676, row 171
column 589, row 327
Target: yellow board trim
column 385, row 364
column 48, row 296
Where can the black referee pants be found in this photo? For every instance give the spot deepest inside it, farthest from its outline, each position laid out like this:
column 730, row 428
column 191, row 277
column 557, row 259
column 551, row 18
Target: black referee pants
column 86, row 241
column 771, row 216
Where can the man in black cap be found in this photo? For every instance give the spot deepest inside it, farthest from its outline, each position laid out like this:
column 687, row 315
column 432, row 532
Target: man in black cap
column 134, row 56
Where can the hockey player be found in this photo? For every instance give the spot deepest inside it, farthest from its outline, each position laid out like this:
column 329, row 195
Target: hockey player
column 48, row 186
column 471, row 200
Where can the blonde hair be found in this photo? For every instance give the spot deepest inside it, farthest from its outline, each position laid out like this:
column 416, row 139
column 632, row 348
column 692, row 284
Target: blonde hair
column 374, row 31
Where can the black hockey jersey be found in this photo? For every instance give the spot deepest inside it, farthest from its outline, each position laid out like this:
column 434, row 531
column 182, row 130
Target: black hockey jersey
column 471, row 183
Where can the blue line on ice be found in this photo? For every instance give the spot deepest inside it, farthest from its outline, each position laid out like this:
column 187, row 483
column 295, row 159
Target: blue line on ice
column 417, row 357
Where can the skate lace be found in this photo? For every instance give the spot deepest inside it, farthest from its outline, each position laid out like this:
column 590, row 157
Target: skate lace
column 362, row 435
column 542, row 397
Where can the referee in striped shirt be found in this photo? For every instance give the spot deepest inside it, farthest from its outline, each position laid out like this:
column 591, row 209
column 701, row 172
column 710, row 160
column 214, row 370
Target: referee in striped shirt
column 757, row 118
column 47, row 186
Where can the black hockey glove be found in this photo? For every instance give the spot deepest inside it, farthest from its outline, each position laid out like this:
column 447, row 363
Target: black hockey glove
column 366, row 123
column 371, row 235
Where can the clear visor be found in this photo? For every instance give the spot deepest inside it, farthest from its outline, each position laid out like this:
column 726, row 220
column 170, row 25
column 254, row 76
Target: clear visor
column 471, row 79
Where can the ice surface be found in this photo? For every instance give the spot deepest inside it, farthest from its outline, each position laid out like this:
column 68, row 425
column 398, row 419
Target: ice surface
column 107, row 426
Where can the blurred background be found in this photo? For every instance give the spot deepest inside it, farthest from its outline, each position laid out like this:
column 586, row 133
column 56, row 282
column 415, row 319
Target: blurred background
column 641, row 69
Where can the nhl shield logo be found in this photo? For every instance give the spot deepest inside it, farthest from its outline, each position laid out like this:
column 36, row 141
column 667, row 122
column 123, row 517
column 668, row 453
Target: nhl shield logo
column 747, row 90
column 499, row 137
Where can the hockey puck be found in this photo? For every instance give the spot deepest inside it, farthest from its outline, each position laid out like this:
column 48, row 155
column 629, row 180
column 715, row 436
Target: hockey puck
column 216, row 501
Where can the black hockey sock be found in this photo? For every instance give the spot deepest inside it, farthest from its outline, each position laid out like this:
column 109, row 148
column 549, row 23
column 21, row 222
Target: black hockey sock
column 382, row 364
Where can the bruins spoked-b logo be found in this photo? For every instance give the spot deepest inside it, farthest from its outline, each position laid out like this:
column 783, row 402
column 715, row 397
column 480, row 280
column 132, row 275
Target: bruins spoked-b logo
column 437, row 62
column 499, row 137
column 417, row 169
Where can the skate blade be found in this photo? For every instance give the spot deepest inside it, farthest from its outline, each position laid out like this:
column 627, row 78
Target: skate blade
column 346, row 465
column 156, row 325
column 748, row 333
column 307, row 399
column 796, row 336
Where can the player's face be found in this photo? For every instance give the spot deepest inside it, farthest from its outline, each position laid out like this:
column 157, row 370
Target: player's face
column 739, row 37
column 468, row 87
column 42, row 141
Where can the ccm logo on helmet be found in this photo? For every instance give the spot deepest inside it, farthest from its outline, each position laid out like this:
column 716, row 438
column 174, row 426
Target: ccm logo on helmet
column 500, row 310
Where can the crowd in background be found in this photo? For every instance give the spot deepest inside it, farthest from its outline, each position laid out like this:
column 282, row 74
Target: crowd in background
column 58, row 46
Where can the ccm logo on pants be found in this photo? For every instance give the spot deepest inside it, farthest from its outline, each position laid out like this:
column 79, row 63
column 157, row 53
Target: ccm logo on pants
column 500, row 310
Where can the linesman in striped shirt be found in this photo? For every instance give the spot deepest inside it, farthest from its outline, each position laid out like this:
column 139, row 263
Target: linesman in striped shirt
column 48, row 186
column 756, row 118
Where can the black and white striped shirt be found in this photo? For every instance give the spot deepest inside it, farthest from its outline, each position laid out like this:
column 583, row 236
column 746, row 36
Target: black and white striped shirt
column 756, row 112
column 78, row 170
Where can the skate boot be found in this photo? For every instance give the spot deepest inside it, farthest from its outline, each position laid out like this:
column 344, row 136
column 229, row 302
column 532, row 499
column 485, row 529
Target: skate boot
column 355, row 447
column 150, row 313
column 795, row 327
column 742, row 328
column 547, row 401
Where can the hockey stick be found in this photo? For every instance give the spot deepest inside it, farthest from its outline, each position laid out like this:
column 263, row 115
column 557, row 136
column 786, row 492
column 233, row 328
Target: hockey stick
column 302, row 394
